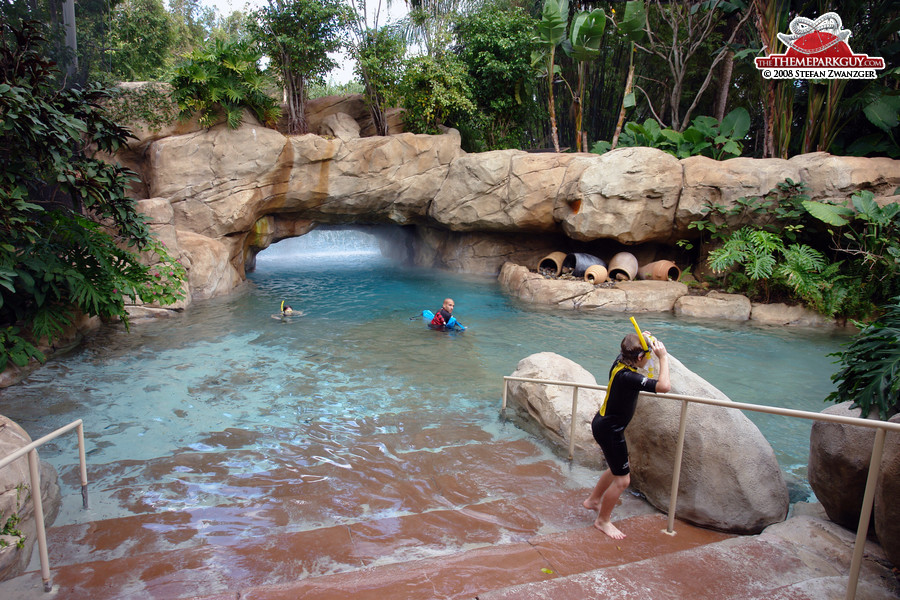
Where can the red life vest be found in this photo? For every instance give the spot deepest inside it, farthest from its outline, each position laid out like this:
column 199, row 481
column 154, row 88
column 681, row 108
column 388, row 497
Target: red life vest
column 438, row 321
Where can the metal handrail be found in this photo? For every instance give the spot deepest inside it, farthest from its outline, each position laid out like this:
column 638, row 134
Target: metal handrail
column 35, row 479
column 881, row 427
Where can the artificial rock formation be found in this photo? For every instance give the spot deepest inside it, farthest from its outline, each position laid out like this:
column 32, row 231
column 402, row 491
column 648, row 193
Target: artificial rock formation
column 246, row 188
column 730, row 479
column 839, row 461
column 887, row 509
column 15, row 499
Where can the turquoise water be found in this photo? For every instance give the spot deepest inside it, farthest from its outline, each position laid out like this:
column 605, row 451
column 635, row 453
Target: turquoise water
column 227, row 365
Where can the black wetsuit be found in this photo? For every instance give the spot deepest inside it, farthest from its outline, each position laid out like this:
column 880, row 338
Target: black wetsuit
column 609, row 428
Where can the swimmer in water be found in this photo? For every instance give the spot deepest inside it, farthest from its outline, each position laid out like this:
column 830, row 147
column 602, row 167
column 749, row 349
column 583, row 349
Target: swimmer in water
column 287, row 311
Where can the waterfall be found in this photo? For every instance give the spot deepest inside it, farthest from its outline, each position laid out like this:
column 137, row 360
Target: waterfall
column 335, row 245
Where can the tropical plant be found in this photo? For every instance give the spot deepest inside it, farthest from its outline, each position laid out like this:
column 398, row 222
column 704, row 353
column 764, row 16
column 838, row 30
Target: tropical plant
column 551, row 31
column 298, row 35
column 867, row 235
column 706, row 137
column 583, row 46
column 379, row 66
column 150, row 105
column 434, row 93
column 494, row 42
column 141, row 38
column 870, row 366
column 632, row 27
column 224, row 77
column 70, row 237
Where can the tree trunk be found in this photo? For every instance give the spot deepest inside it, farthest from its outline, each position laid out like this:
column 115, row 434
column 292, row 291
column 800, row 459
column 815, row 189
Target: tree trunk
column 628, row 82
column 550, row 77
column 724, row 85
column 295, row 101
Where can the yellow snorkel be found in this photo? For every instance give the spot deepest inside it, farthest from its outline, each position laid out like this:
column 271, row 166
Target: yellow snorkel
column 640, row 335
column 282, row 309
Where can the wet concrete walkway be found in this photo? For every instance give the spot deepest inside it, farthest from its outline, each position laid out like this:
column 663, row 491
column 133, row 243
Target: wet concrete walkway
column 448, row 512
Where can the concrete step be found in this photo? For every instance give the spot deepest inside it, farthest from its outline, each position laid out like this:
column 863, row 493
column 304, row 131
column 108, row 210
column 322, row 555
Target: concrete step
column 804, row 558
column 454, row 554
column 374, row 486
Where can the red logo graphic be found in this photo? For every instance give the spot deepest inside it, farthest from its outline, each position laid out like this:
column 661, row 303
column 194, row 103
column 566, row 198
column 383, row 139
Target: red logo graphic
column 818, row 50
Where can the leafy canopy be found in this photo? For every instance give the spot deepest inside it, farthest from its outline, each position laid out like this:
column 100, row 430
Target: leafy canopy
column 69, row 234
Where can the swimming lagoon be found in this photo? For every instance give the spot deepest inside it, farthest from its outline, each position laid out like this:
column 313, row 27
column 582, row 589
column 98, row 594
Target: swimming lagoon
column 233, row 366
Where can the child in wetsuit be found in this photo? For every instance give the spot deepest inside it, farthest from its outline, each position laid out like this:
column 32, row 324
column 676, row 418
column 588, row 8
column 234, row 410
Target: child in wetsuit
column 609, row 423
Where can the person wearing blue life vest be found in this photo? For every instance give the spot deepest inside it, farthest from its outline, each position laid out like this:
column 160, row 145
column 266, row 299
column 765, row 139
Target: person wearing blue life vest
column 443, row 319
column 608, row 426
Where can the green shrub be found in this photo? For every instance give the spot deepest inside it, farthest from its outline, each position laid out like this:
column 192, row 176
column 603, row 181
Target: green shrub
column 705, row 137
column 224, row 76
column 870, row 366
column 151, row 105
column 434, row 92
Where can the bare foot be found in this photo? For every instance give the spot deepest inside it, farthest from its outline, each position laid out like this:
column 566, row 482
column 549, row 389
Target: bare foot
column 609, row 529
column 591, row 505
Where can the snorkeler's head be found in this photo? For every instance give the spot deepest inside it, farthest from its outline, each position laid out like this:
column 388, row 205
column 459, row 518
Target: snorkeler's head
column 287, row 309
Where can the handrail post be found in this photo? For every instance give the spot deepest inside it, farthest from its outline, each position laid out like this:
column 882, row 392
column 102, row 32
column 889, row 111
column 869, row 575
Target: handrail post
column 866, row 512
column 573, row 423
column 676, row 471
column 34, row 471
column 82, row 459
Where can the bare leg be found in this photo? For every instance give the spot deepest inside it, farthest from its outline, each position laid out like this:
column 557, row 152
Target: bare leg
column 608, row 502
column 593, row 501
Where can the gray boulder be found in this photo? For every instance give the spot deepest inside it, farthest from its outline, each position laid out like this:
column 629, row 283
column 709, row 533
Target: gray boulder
column 547, row 409
column 730, row 479
column 887, row 509
column 15, row 499
column 839, row 457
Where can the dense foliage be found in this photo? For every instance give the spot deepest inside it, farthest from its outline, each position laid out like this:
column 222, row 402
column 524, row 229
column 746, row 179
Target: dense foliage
column 435, row 92
column 870, row 367
column 379, row 66
column 841, row 260
column 69, row 234
column 224, row 77
column 298, row 36
column 705, row 137
column 141, row 39
column 494, row 44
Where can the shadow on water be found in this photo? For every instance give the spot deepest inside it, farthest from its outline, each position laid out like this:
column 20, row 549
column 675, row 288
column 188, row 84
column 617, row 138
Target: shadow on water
column 226, row 375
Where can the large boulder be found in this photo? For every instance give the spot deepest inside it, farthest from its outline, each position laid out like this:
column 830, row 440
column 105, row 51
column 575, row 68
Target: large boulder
column 15, row 499
column 723, row 183
column 547, row 409
column 210, row 273
column 629, row 195
column 715, row 305
column 839, row 457
column 887, row 509
column 836, row 178
column 730, row 479
column 780, row 314
column 506, row 190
